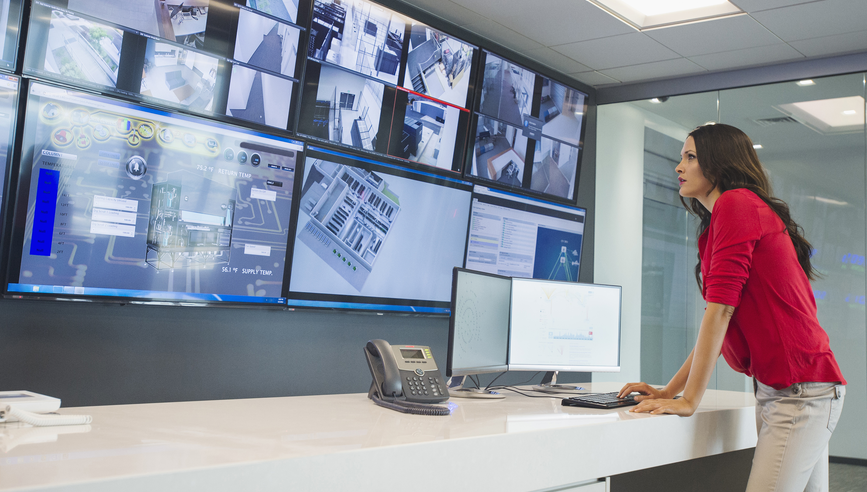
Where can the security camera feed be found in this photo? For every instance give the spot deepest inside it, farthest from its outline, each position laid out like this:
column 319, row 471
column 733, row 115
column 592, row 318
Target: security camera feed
column 181, row 21
column 357, row 35
column 179, row 75
column 265, row 43
column 430, row 132
column 499, row 153
column 83, row 50
column 259, row 97
column 10, row 20
column 438, row 65
column 555, row 166
column 562, row 110
column 347, row 107
column 282, row 9
column 378, row 235
column 507, row 90
column 123, row 201
column 8, row 111
column 524, row 237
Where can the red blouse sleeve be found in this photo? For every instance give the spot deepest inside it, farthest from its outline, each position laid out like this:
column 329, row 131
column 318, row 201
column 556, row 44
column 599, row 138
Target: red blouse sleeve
column 735, row 228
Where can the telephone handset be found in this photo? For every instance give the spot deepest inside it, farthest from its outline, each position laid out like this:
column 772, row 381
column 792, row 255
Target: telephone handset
column 405, row 378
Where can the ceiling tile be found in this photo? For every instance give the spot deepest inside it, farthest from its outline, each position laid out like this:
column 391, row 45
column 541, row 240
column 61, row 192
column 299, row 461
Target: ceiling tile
column 655, row 70
column 594, row 79
column 839, row 44
column 813, row 20
column 747, row 57
column 759, row 5
column 447, row 10
column 551, row 22
column 617, row 51
column 503, row 35
column 557, row 61
column 714, row 36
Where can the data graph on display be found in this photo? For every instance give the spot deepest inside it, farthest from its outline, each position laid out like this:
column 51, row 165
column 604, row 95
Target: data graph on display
column 564, row 325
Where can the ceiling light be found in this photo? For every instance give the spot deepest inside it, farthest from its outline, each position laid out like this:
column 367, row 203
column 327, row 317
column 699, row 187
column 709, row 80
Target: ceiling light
column 828, row 116
column 805, row 83
column 655, row 100
column 757, row 146
column 651, row 14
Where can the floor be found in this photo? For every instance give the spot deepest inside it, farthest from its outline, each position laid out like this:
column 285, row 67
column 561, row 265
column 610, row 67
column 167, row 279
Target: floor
column 847, row 478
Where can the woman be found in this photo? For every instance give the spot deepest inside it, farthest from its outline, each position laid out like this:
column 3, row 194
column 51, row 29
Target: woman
column 754, row 273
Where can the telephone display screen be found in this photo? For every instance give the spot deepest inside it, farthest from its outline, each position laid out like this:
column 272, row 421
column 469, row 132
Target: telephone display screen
column 119, row 200
column 411, row 354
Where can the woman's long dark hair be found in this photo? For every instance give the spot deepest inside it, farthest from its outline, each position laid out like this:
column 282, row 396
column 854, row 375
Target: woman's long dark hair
column 728, row 160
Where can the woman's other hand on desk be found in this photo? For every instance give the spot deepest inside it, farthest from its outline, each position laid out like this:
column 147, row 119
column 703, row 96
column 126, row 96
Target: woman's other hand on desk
column 680, row 406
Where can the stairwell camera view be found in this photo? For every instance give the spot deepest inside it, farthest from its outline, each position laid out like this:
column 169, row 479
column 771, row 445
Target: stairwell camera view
column 438, row 65
column 83, row 50
column 282, row 9
column 179, row 76
column 507, row 91
column 180, row 21
column 499, row 152
column 248, row 91
column 429, row 132
column 358, row 35
column 265, row 43
column 347, row 109
column 554, row 168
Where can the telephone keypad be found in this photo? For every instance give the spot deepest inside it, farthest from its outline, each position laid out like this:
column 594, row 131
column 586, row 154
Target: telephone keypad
column 421, row 386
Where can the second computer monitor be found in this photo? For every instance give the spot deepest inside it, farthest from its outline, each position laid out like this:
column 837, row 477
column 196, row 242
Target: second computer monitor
column 478, row 324
column 564, row 326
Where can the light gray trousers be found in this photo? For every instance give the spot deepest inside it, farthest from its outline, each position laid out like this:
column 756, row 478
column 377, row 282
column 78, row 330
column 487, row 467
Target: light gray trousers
column 794, row 425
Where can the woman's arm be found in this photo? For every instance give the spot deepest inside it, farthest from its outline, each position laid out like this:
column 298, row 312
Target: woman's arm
column 707, row 349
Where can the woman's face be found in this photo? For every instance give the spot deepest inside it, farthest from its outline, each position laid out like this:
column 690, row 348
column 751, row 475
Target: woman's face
column 692, row 182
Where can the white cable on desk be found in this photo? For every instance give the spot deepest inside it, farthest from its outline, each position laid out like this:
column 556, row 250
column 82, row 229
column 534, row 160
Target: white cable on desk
column 40, row 420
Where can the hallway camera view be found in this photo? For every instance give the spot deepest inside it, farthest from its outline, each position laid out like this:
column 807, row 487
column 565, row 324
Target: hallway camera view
column 248, row 91
column 83, row 50
column 554, row 168
column 562, row 110
column 282, row 9
column 507, row 90
column 266, row 43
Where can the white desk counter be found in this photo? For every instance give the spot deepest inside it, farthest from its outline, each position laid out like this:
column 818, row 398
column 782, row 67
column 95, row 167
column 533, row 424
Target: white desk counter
column 335, row 442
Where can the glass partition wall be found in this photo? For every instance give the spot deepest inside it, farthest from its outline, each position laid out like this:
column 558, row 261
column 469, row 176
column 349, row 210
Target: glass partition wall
column 812, row 139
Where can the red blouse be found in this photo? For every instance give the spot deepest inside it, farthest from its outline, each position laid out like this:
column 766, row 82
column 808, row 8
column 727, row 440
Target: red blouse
column 748, row 261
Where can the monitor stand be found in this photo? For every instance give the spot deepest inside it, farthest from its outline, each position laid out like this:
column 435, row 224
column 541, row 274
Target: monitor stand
column 549, row 384
column 456, row 390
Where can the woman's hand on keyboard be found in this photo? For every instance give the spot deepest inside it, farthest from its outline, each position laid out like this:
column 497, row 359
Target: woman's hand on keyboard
column 647, row 392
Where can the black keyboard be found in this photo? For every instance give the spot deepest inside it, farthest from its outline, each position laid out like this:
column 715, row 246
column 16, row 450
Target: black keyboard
column 599, row 400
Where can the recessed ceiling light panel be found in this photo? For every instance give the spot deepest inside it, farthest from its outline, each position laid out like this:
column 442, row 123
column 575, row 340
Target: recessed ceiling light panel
column 650, row 14
column 829, row 116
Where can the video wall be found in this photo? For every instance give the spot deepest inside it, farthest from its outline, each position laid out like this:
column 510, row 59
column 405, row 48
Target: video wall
column 150, row 152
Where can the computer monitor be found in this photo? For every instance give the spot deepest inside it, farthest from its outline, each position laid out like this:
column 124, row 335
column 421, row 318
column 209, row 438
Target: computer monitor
column 478, row 328
column 564, row 326
column 520, row 236
column 120, row 201
column 10, row 23
column 375, row 236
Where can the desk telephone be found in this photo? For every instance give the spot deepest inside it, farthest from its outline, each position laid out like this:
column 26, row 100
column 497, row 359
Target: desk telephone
column 405, row 378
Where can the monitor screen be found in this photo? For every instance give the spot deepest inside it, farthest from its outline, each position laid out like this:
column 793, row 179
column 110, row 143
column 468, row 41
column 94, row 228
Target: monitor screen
column 438, row 65
column 564, row 326
column 371, row 235
column 10, row 23
column 121, row 201
column 528, row 131
column 360, row 36
column 478, row 323
column 286, row 10
column 524, row 237
column 266, row 43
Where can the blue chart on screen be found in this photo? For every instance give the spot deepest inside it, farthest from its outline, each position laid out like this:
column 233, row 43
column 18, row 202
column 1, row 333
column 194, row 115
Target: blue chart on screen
column 557, row 255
